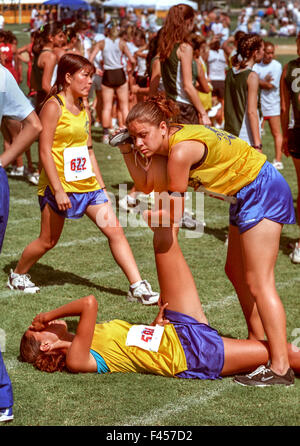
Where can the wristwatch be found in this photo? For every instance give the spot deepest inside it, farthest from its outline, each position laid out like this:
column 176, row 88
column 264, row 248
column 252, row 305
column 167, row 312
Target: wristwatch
column 257, row 147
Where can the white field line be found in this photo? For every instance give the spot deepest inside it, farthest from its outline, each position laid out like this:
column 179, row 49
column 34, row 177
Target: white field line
column 158, row 415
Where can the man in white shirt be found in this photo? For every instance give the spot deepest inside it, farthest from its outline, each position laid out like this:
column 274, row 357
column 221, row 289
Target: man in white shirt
column 269, row 72
column 15, row 105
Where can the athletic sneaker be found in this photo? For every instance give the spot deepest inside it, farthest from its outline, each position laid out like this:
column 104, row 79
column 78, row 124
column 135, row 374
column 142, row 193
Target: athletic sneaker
column 264, row 376
column 143, row 293
column 32, row 177
column 187, row 221
column 105, row 139
column 128, row 203
column 17, row 171
column 277, row 164
column 122, row 137
column 6, row 414
column 295, row 255
column 21, row 282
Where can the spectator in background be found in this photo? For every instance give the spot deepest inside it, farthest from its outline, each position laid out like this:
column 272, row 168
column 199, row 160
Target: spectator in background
column 289, row 93
column 269, row 72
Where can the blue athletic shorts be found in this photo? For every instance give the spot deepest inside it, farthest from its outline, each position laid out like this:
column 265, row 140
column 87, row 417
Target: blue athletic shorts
column 268, row 196
column 4, row 204
column 79, row 202
column 202, row 345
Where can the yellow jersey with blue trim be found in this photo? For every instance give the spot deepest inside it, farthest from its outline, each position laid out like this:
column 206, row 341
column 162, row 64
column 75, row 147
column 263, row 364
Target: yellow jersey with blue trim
column 70, row 153
column 109, row 341
column 229, row 163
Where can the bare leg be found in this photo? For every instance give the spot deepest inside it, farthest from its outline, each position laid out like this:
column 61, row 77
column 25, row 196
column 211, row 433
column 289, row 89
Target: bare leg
column 243, row 355
column 51, row 227
column 122, row 95
column 177, row 286
column 297, row 167
column 260, row 246
column 104, row 217
column 234, row 269
column 107, row 103
column 274, row 122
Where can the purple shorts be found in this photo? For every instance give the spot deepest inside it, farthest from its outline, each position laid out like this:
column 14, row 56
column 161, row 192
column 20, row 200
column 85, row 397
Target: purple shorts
column 268, row 196
column 4, row 204
column 79, row 202
column 203, row 347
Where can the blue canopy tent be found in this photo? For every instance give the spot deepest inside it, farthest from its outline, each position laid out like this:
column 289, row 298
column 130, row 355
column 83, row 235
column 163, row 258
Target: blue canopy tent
column 72, row 4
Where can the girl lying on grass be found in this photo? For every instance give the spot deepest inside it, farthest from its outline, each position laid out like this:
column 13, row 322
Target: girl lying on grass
column 178, row 343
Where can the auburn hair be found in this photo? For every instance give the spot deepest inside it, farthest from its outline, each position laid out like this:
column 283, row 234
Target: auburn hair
column 30, row 352
column 176, row 29
column 154, row 110
column 246, row 47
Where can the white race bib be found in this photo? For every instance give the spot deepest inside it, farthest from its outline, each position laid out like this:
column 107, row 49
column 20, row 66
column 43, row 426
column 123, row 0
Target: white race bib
column 145, row 337
column 77, row 164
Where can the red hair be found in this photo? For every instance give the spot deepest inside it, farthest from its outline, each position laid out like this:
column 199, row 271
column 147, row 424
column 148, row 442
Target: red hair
column 30, row 352
column 176, row 29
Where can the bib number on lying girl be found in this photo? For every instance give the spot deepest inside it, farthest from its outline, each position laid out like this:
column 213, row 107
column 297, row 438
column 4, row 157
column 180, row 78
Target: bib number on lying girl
column 145, row 337
column 77, row 164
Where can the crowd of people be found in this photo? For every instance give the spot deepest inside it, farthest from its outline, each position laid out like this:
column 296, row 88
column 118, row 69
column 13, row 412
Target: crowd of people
column 182, row 103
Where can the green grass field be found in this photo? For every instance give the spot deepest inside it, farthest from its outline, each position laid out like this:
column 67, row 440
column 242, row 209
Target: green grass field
column 82, row 264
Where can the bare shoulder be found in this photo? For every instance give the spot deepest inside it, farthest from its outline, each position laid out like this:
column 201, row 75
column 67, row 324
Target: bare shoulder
column 51, row 110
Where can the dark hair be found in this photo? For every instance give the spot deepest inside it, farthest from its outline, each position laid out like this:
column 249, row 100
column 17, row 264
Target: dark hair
column 197, row 41
column 154, row 110
column 152, row 51
column 30, row 352
column 69, row 63
column 175, row 29
column 42, row 36
column 246, row 46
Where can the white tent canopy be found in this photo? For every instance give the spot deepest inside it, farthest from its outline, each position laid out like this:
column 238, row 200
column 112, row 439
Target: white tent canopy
column 147, row 4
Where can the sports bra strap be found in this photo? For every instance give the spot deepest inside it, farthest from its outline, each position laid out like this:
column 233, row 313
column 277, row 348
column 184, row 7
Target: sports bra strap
column 59, row 100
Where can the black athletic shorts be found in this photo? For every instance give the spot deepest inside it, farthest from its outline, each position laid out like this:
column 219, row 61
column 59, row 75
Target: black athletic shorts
column 114, row 78
column 294, row 142
column 187, row 115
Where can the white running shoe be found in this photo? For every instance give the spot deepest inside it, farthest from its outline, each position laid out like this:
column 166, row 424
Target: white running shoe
column 128, row 203
column 32, row 177
column 6, row 414
column 17, row 171
column 105, row 139
column 278, row 165
column 295, row 255
column 21, row 282
column 143, row 293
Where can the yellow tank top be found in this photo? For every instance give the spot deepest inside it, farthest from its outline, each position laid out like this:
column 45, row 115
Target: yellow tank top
column 230, row 162
column 110, row 342
column 205, row 98
column 71, row 131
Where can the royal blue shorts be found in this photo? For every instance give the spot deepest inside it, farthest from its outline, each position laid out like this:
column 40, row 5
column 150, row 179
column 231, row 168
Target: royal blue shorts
column 79, row 202
column 268, row 196
column 4, row 204
column 203, row 347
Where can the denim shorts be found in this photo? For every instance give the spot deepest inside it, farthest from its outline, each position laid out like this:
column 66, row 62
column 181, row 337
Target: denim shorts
column 79, row 202
column 268, row 196
column 202, row 345
column 4, row 204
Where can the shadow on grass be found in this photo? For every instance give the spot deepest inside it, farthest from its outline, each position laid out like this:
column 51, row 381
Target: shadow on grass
column 219, row 233
column 45, row 275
